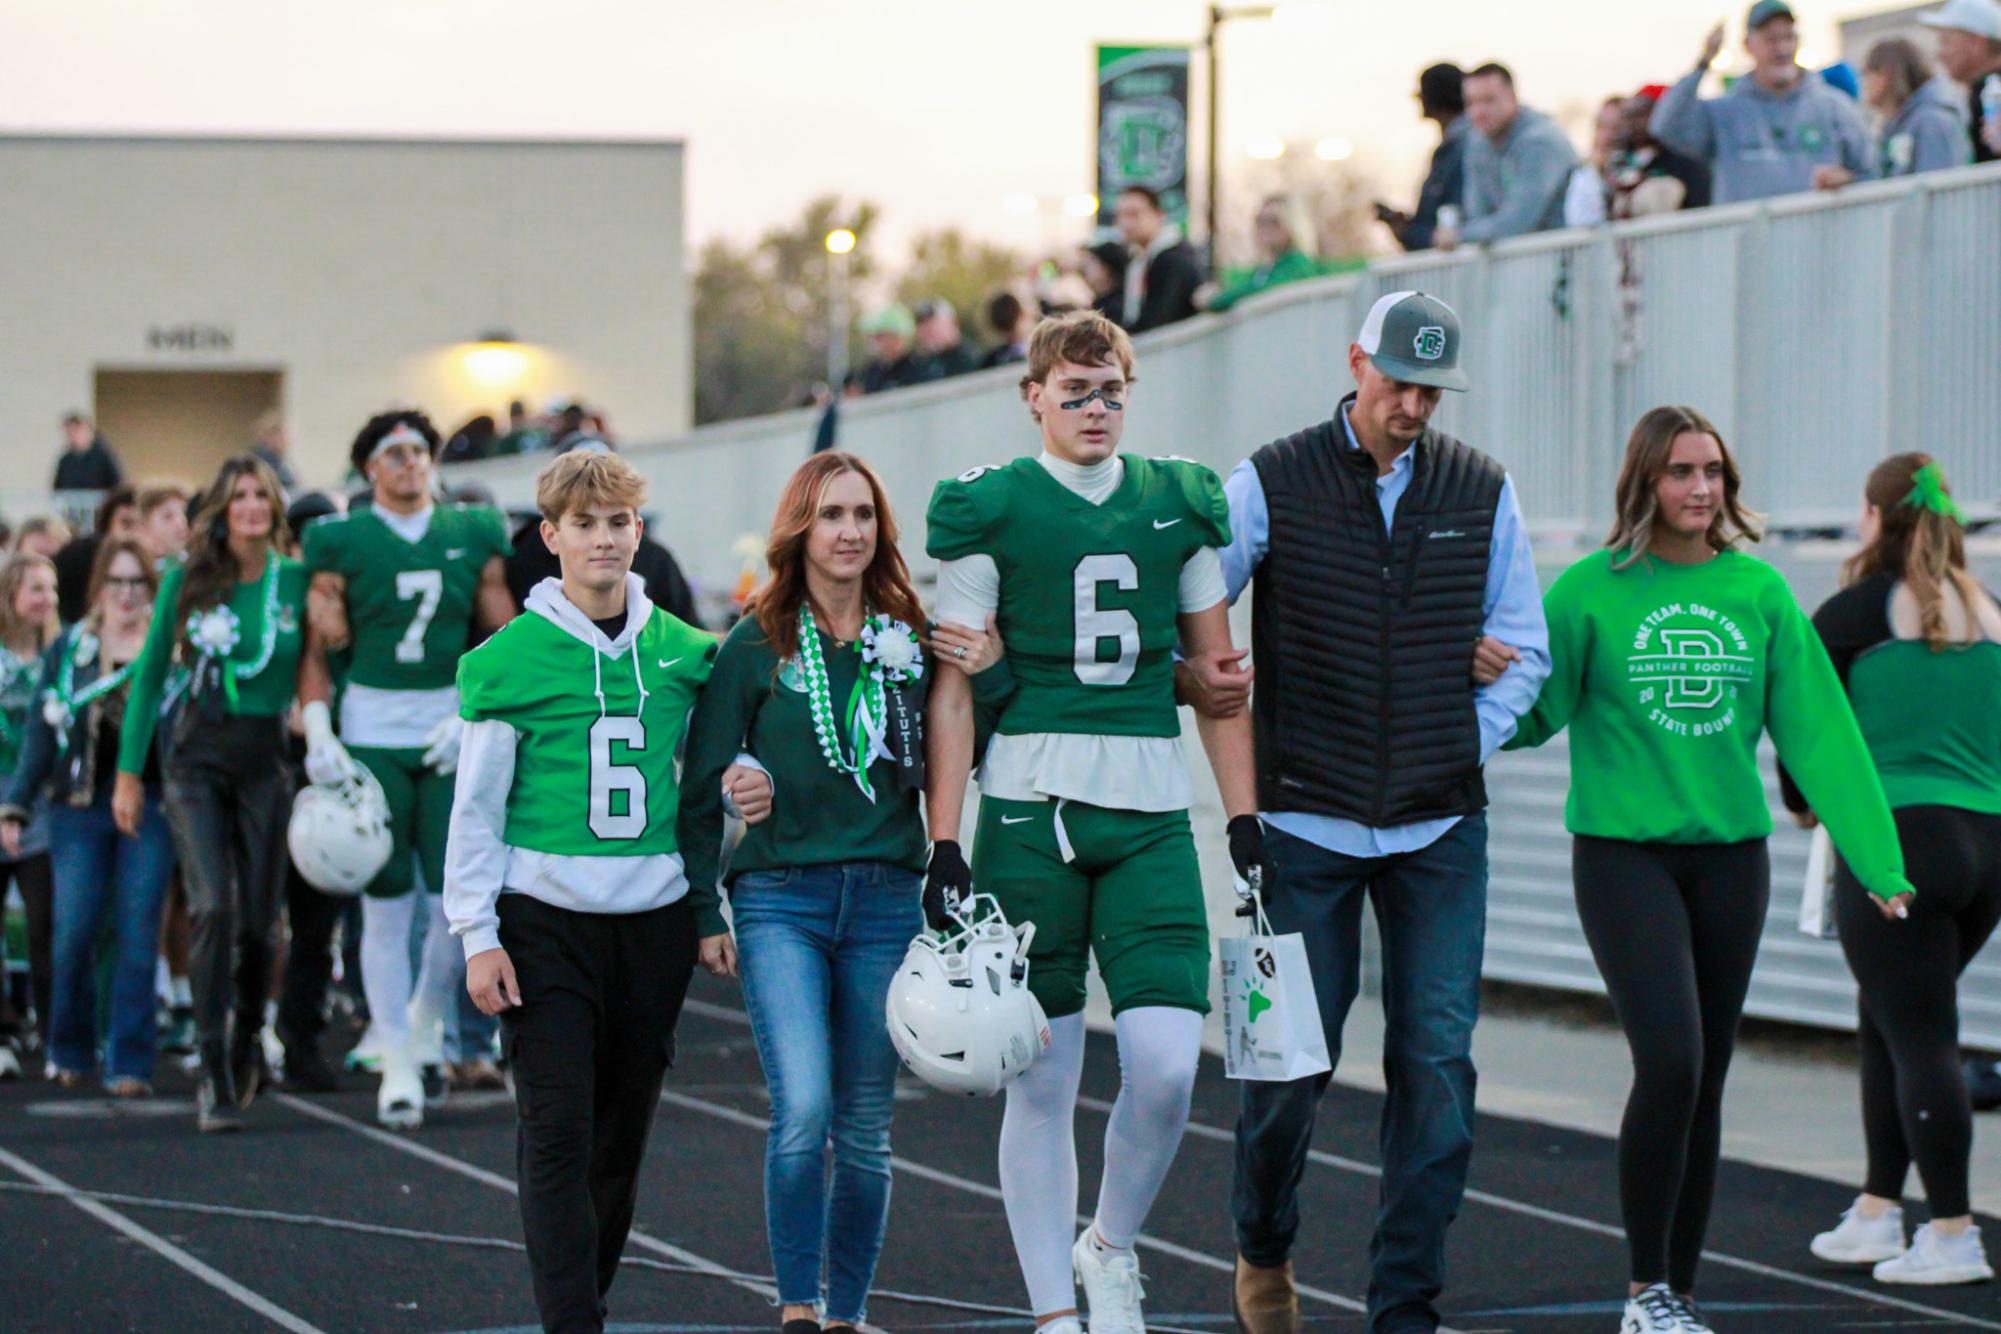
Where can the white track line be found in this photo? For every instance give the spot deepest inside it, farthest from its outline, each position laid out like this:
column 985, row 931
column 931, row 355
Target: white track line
column 403, row 1144
column 1202, row 1130
column 160, row 1246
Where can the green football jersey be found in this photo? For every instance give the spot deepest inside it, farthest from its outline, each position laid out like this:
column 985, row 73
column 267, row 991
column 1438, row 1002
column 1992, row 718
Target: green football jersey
column 1089, row 594
column 409, row 604
column 594, row 769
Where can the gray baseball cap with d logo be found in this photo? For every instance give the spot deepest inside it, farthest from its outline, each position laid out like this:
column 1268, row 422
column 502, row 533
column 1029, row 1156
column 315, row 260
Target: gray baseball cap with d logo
column 1414, row 338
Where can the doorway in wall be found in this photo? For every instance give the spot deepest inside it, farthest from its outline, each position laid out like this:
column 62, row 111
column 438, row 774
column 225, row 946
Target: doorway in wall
column 181, row 425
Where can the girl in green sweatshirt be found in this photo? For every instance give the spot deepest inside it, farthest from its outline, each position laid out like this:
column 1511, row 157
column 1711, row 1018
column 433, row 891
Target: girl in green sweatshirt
column 820, row 684
column 1672, row 652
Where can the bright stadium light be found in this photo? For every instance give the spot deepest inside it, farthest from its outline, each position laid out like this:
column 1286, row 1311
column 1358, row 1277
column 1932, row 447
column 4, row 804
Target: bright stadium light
column 840, row 241
column 1333, row 150
column 495, row 361
column 1081, row 206
column 1265, row 147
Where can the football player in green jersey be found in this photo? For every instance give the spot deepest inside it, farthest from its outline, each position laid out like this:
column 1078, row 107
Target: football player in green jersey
column 563, row 878
column 1095, row 563
column 402, row 582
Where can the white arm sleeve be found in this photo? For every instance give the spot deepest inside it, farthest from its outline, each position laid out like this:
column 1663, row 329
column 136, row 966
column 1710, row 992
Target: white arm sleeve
column 1202, row 585
column 968, row 588
column 475, row 853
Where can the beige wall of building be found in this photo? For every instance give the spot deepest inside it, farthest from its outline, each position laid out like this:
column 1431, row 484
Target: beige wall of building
column 175, row 285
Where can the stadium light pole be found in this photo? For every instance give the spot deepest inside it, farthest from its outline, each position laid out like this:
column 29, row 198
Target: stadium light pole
column 1218, row 16
column 840, row 244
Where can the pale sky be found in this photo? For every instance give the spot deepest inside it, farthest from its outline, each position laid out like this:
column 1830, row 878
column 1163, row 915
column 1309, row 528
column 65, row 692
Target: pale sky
column 935, row 110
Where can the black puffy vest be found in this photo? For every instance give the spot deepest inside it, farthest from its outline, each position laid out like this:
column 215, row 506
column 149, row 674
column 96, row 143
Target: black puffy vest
column 1363, row 640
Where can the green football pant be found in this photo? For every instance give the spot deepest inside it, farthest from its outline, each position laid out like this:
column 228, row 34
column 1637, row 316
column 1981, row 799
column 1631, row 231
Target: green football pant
column 420, row 815
column 1123, row 885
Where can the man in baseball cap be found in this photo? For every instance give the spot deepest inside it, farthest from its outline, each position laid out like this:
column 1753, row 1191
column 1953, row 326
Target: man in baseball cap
column 1393, row 571
column 1969, row 51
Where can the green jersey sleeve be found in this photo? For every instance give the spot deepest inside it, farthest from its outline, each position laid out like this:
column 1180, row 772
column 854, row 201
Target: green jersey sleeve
column 490, row 530
column 1201, row 492
column 964, row 511
column 1569, row 654
column 325, row 546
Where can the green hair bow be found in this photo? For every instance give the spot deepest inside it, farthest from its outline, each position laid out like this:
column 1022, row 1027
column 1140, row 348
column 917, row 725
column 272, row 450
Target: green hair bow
column 1928, row 492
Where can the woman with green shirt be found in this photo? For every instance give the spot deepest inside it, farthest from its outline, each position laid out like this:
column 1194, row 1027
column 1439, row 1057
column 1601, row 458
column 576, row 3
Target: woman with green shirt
column 1918, row 644
column 1285, row 240
column 224, row 657
column 1672, row 652
column 821, row 682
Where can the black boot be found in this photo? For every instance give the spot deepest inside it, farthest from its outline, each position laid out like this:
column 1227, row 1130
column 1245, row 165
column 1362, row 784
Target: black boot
column 306, row 1071
column 215, row 1091
column 246, row 1061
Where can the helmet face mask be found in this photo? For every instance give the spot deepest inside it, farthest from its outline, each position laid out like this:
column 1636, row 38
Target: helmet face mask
column 960, row 1012
column 339, row 836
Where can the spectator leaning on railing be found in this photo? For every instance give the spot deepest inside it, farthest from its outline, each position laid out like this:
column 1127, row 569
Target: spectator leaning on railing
column 86, row 463
column 1162, row 274
column 1441, row 98
column 1778, row 131
column 1517, row 164
column 1969, row 50
column 1921, row 126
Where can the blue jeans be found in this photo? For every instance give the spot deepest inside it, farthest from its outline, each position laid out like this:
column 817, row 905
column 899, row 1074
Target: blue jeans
column 818, row 946
column 1431, row 910
column 98, row 871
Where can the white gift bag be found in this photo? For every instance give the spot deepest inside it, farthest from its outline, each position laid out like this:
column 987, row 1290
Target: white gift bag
column 1817, row 895
column 1271, row 1018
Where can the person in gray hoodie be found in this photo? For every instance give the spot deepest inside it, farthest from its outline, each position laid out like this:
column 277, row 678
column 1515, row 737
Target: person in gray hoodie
column 1778, row 131
column 1923, row 127
column 1517, row 164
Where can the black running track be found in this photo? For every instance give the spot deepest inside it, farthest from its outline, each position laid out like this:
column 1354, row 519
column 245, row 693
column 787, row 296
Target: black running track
column 315, row 1220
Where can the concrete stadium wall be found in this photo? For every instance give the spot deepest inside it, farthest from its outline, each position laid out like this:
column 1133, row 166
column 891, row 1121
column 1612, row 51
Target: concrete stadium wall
column 359, row 269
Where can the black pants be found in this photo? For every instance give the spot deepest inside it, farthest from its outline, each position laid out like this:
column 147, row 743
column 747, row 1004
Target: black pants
column 1914, row 1102
column 228, row 797
column 1675, row 930
column 589, row 1045
column 302, row 996
column 37, row 883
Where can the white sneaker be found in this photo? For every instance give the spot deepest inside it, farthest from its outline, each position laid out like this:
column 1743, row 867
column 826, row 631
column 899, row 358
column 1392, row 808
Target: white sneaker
column 1656, row 1310
column 1691, row 1321
column 399, row 1103
column 1067, row 1325
column 1112, row 1291
column 1859, row 1240
column 1935, row 1259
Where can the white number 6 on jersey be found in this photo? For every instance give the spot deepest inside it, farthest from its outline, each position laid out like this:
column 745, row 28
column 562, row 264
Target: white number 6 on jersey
column 608, row 778
column 1095, row 623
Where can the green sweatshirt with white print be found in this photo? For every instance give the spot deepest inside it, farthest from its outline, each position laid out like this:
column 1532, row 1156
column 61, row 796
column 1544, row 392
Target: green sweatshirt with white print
column 1667, row 674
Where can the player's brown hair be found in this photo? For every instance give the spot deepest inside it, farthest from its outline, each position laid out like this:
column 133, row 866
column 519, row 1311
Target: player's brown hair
column 885, row 583
column 1082, row 338
column 586, row 479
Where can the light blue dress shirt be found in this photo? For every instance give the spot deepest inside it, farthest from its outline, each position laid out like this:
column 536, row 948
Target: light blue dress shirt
column 1512, row 607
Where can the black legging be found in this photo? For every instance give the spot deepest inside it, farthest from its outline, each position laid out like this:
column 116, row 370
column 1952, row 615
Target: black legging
column 37, row 883
column 1675, row 929
column 1914, row 1103
column 228, row 797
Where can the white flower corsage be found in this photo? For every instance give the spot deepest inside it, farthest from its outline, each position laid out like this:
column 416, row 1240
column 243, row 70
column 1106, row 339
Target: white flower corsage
column 85, row 652
column 215, row 632
column 54, row 712
column 893, row 648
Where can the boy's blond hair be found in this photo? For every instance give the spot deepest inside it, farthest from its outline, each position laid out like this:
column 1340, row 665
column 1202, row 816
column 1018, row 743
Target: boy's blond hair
column 1082, row 338
column 584, row 479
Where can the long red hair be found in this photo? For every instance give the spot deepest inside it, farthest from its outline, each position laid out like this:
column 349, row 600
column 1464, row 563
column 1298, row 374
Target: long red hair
column 886, row 586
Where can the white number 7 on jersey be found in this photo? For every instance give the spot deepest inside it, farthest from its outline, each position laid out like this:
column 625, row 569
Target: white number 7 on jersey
column 608, row 778
column 428, row 586
column 1095, row 623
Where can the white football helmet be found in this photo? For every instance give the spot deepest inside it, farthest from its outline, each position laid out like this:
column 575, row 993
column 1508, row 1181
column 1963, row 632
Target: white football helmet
column 339, row 835
column 960, row 1011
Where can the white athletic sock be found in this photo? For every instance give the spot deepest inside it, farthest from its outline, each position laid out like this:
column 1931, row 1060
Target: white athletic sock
column 442, row 973
column 1038, row 1166
column 1158, row 1049
column 385, row 965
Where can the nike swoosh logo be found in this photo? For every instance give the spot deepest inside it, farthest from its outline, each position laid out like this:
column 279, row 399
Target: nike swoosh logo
column 453, row 553
column 669, row 662
column 1016, row 819
column 1168, row 524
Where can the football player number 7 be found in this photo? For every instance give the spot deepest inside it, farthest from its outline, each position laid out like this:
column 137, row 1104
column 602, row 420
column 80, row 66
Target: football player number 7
column 1096, row 624
column 610, row 817
column 427, row 587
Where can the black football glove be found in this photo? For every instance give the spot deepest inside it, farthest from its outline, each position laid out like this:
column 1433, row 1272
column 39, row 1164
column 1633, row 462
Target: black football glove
column 1247, row 853
column 948, row 886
